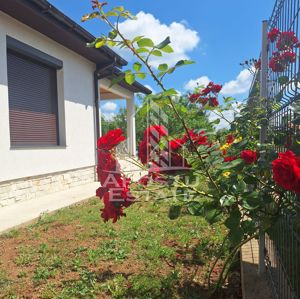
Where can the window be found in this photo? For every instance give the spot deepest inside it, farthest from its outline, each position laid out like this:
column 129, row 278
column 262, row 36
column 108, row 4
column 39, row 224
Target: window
column 33, row 101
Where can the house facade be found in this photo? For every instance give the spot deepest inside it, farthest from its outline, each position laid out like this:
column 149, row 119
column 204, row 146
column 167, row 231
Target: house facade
column 50, row 88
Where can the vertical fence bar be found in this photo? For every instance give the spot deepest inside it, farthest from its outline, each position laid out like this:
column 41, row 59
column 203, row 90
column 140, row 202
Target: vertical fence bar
column 264, row 125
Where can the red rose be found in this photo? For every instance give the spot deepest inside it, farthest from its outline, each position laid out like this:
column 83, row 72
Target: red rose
column 276, row 63
column 110, row 172
column 272, row 35
column 287, row 40
column 198, row 138
column 111, row 211
column 111, row 139
column 286, row 171
column 101, row 191
column 230, row 138
column 288, row 57
column 249, row 156
column 177, row 143
column 194, row 97
column 229, row 159
column 203, row 101
column 216, row 88
column 144, row 150
column 103, row 157
column 156, row 132
column 205, row 91
column 144, row 180
column 213, row 102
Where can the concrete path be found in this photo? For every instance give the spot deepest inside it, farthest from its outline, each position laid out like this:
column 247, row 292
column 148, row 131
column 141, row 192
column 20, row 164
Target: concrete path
column 253, row 285
column 22, row 212
column 131, row 169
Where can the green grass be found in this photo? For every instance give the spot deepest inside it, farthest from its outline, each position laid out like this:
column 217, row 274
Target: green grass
column 72, row 254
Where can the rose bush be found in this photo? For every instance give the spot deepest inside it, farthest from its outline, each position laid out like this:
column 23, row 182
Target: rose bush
column 285, row 44
column 229, row 177
column 114, row 188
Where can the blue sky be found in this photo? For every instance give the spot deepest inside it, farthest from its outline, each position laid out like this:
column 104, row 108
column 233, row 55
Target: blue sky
column 218, row 35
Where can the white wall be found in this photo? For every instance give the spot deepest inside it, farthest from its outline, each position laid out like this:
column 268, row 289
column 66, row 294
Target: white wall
column 79, row 111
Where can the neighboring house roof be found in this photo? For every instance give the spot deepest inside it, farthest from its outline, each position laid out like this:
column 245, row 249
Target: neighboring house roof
column 45, row 18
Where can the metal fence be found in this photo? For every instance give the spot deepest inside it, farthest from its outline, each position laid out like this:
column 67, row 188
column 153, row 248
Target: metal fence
column 282, row 243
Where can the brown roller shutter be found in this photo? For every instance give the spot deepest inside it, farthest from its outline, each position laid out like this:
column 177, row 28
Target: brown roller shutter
column 32, row 89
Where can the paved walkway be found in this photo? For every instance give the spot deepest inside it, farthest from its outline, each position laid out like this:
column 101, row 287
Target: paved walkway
column 131, row 169
column 253, row 285
column 25, row 211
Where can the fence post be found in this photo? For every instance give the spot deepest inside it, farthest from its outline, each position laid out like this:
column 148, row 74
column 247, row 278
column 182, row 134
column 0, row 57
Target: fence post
column 264, row 125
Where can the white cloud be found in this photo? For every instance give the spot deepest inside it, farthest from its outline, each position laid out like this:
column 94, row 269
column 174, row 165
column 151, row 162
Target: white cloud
column 109, row 106
column 108, row 116
column 183, row 39
column 192, row 84
column 228, row 115
column 240, row 85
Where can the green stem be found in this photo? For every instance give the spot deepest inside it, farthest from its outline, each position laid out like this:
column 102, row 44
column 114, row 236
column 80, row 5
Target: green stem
column 160, row 84
column 228, row 260
column 216, row 261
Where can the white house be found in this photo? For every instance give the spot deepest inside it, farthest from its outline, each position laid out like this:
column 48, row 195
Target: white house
column 50, row 88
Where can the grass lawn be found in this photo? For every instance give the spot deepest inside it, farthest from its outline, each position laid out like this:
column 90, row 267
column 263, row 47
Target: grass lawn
column 73, row 254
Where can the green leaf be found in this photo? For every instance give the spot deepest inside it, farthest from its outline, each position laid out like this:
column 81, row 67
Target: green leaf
column 232, row 164
column 111, row 43
column 233, row 220
column 129, row 77
column 250, row 180
column 164, row 43
column 184, row 62
column 167, row 49
column 156, row 53
column 216, row 121
column 212, row 216
column 137, row 38
column 227, row 200
column 142, row 50
column 113, row 34
column 170, row 92
column 174, row 212
column 236, row 235
column 116, row 80
column 228, row 99
column 171, row 70
column 163, row 67
column 119, row 8
column 100, row 43
column 145, row 42
column 251, row 202
column 283, row 80
column 111, row 14
column 141, row 75
column 137, row 66
column 195, row 208
column 90, row 16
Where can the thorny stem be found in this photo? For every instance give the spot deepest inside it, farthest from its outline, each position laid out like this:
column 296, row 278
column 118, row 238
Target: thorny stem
column 160, row 84
column 229, row 259
column 216, row 260
column 194, row 189
column 220, row 114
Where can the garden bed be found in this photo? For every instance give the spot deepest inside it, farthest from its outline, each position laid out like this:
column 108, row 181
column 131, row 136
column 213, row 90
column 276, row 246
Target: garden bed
column 73, row 254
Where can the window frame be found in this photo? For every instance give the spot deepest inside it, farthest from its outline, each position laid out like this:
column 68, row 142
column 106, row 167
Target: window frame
column 34, row 55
